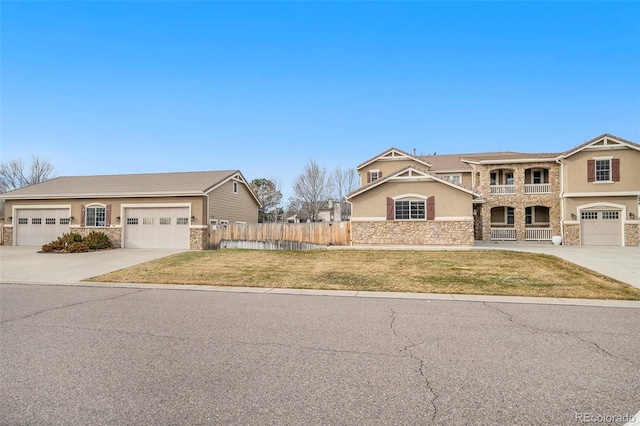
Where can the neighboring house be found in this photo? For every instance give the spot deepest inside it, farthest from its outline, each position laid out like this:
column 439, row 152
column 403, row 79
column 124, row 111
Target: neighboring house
column 157, row 210
column 589, row 195
column 334, row 211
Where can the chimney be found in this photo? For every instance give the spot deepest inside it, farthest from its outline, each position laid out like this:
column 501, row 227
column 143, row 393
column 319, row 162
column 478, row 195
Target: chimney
column 414, row 152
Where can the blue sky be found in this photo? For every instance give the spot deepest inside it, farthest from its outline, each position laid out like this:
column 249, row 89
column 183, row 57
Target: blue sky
column 136, row 87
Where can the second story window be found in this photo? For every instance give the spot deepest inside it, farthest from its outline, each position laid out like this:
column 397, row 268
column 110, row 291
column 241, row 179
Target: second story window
column 603, row 170
column 374, row 175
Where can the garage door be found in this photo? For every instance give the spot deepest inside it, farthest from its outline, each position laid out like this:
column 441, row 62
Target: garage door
column 601, row 228
column 35, row 227
column 157, row 228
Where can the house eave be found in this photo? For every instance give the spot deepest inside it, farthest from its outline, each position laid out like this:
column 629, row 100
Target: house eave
column 105, row 195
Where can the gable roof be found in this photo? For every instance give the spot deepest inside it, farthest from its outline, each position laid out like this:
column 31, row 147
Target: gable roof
column 127, row 185
column 413, row 173
column 393, row 154
column 600, row 142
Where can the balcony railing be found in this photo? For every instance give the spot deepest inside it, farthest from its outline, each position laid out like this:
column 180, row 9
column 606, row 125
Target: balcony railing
column 502, row 189
column 537, row 188
column 538, row 234
column 503, row 234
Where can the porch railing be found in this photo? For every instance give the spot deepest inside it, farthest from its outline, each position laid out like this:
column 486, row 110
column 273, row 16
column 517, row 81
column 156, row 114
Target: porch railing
column 537, row 188
column 538, row 234
column 502, row 189
column 503, row 234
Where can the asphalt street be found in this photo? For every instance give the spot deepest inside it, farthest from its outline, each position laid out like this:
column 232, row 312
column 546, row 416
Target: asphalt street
column 80, row 355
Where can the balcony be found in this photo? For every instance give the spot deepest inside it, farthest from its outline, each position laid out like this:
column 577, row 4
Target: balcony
column 502, row 189
column 537, row 188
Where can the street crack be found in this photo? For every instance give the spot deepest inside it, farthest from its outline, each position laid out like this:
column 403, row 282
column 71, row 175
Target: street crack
column 422, row 369
column 71, row 305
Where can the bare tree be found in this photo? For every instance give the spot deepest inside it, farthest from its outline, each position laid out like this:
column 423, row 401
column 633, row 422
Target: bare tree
column 14, row 174
column 343, row 182
column 269, row 195
column 311, row 190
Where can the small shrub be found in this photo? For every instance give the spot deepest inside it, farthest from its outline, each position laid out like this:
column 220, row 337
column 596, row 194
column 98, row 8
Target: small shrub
column 53, row 247
column 97, row 240
column 78, row 247
column 68, row 239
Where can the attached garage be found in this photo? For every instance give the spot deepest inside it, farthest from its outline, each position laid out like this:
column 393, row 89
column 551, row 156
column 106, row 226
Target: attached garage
column 601, row 227
column 156, row 227
column 35, row 227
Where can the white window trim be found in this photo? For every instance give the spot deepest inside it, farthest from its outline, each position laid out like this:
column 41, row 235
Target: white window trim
column 595, row 171
column 371, row 172
column 86, row 214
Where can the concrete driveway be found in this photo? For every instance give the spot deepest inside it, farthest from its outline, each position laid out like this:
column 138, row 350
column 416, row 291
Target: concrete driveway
column 26, row 265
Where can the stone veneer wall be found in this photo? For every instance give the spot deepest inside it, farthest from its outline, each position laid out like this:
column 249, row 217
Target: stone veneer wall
column 413, row 233
column 114, row 234
column 198, row 238
column 7, row 235
column 519, row 200
column 631, row 234
column 571, row 235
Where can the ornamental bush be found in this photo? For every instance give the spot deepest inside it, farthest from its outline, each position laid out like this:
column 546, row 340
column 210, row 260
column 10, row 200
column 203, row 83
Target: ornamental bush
column 75, row 243
column 97, row 240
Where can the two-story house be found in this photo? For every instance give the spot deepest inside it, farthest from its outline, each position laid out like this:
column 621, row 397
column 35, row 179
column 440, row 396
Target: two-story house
column 588, row 195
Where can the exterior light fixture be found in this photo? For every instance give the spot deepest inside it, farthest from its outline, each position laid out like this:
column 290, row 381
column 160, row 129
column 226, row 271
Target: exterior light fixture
column 573, row 216
column 631, row 216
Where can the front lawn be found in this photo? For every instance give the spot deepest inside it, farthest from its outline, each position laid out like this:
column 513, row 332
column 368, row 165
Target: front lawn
column 461, row 272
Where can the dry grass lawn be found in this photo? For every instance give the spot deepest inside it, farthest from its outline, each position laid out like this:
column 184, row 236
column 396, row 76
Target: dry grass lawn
column 461, row 272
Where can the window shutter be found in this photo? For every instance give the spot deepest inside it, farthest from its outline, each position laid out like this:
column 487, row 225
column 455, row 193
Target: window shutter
column 368, row 177
column 107, row 215
column 379, row 174
column 431, row 208
column 82, row 215
column 591, row 170
column 390, row 208
column 615, row 169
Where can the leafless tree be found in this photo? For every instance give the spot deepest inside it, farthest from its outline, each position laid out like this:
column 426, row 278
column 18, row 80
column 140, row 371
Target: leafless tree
column 343, row 182
column 311, row 190
column 15, row 174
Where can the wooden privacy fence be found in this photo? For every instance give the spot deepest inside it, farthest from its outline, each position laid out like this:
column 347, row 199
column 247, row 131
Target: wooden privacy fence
column 319, row 233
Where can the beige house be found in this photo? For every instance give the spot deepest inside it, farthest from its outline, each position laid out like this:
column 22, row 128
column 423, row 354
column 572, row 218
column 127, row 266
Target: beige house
column 588, row 195
column 157, row 210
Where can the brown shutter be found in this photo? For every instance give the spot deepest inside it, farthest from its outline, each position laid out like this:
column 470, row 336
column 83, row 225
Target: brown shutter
column 368, row 177
column 390, row 208
column 379, row 174
column 591, row 170
column 82, row 215
column 431, row 208
column 107, row 215
column 615, row 169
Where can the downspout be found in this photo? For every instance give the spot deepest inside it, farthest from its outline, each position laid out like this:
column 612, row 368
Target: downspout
column 350, row 222
column 561, row 199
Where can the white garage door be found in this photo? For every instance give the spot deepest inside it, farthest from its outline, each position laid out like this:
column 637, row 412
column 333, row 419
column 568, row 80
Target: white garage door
column 157, row 227
column 35, row 227
column 601, row 228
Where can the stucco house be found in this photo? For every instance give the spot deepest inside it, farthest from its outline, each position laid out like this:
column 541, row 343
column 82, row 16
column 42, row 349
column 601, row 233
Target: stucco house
column 588, row 195
column 156, row 210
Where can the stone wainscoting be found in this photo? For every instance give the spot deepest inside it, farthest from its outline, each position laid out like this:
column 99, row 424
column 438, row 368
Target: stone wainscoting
column 198, row 238
column 571, row 235
column 7, row 235
column 413, row 233
column 631, row 234
column 114, row 234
